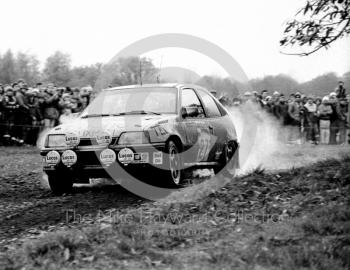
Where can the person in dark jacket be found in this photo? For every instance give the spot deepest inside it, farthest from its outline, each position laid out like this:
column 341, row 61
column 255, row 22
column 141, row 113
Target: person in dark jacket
column 311, row 121
column 336, row 118
column 340, row 90
column 22, row 119
column 294, row 117
column 344, row 111
column 35, row 116
column 51, row 107
column 2, row 124
column 10, row 106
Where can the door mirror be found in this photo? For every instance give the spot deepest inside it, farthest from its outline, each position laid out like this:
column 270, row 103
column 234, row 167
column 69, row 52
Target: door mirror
column 189, row 112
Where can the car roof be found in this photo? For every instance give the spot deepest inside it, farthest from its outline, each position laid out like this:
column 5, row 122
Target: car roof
column 164, row 85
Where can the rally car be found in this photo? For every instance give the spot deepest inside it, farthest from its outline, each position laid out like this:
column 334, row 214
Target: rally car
column 165, row 127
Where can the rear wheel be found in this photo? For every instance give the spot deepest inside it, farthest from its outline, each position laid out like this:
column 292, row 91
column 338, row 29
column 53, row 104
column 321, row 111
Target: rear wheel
column 60, row 183
column 228, row 162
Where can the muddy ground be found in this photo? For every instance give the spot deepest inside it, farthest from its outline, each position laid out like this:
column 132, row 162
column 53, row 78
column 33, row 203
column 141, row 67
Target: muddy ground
column 28, row 209
column 27, row 206
column 279, row 218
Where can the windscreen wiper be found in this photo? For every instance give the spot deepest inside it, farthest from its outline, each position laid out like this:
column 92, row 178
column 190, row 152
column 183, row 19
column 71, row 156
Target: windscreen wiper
column 139, row 112
column 100, row 115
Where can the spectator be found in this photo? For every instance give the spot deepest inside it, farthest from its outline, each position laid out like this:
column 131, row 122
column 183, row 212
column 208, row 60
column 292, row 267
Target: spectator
column 21, row 118
column 324, row 113
column 9, row 105
column 281, row 110
column 85, row 100
column 262, row 99
column 276, row 105
column 340, row 90
column 344, row 111
column 336, row 118
column 34, row 115
column 74, row 105
column 2, row 127
column 294, row 116
column 66, row 115
column 51, row 107
column 311, row 121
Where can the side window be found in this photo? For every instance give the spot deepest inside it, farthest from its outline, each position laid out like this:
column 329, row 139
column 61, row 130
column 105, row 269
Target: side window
column 190, row 99
column 209, row 104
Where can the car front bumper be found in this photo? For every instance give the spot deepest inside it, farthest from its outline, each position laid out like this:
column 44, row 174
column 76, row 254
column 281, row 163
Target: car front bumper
column 89, row 165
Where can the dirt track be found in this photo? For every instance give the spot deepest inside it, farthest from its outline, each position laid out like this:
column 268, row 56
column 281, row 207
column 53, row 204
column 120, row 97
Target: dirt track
column 28, row 207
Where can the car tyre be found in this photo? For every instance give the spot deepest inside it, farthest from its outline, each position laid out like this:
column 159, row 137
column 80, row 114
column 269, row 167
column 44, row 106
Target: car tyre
column 174, row 170
column 60, row 183
column 228, row 161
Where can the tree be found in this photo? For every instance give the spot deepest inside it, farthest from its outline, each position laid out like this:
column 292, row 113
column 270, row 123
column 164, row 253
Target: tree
column 321, row 85
column 85, row 75
column 126, row 71
column 281, row 83
column 27, row 68
column 223, row 86
column 135, row 70
column 7, row 68
column 317, row 25
column 57, row 68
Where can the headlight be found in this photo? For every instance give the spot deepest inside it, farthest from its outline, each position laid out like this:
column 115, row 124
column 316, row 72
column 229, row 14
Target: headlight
column 138, row 137
column 56, row 140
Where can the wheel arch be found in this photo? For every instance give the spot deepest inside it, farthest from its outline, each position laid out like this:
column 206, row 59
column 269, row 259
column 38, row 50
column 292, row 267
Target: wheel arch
column 176, row 139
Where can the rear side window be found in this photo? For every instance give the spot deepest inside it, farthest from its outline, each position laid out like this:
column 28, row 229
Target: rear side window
column 209, row 104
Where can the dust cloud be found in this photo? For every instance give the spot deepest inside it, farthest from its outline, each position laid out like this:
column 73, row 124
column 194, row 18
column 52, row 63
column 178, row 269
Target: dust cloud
column 263, row 144
column 260, row 136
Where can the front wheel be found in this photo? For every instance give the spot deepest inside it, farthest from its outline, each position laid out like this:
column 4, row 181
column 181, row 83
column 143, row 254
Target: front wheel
column 60, row 183
column 174, row 168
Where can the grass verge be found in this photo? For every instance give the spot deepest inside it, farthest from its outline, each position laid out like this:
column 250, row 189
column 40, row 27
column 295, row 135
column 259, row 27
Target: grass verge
column 295, row 219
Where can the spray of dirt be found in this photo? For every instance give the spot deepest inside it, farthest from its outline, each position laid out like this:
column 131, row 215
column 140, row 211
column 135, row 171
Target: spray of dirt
column 266, row 147
column 264, row 136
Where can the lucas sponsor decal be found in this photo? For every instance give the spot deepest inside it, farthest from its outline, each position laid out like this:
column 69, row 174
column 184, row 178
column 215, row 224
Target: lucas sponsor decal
column 52, row 158
column 125, row 156
column 103, row 138
column 107, row 157
column 72, row 139
column 69, row 158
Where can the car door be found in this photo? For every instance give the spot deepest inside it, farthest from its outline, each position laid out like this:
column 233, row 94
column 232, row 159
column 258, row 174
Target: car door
column 196, row 128
column 215, row 123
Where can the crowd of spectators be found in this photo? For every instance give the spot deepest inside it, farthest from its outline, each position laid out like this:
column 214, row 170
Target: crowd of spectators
column 26, row 111
column 310, row 119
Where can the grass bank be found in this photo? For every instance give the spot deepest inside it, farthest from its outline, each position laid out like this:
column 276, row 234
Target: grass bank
column 293, row 219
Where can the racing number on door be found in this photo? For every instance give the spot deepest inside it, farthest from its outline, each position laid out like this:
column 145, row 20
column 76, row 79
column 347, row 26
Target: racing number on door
column 203, row 146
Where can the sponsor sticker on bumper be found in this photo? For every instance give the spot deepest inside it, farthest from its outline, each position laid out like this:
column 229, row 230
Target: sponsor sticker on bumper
column 126, row 156
column 157, row 158
column 141, row 158
column 69, row 158
column 107, row 157
column 52, row 158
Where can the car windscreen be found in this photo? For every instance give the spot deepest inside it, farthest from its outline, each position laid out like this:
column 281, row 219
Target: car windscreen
column 157, row 100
